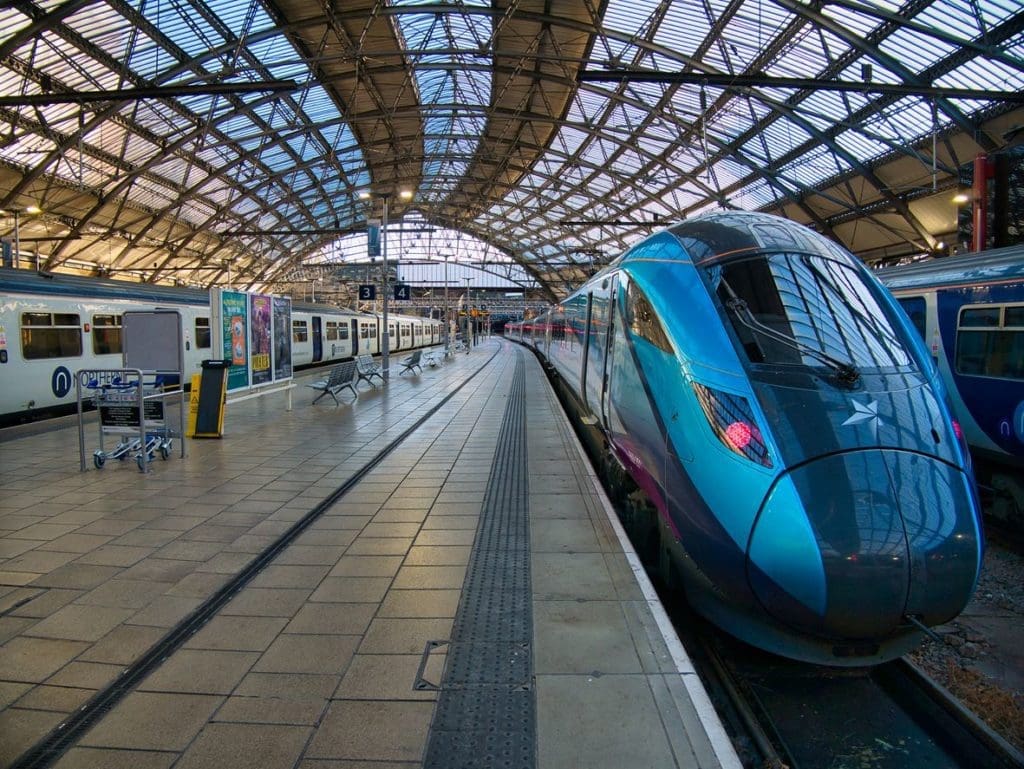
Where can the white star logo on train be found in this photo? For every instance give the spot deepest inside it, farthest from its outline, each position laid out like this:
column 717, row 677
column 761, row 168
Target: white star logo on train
column 864, row 413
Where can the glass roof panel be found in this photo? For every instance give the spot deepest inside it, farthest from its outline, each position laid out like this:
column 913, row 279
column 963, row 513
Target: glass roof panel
column 861, row 24
column 188, row 30
column 434, row 37
column 816, row 165
column 629, row 16
column 984, row 73
column 684, row 28
column 914, row 49
column 862, row 146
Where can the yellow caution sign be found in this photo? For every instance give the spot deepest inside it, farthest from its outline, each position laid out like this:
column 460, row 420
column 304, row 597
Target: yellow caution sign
column 193, row 406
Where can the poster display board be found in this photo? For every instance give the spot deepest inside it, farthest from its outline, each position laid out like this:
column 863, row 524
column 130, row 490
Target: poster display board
column 234, row 329
column 256, row 338
column 282, row 338
column 259, row 335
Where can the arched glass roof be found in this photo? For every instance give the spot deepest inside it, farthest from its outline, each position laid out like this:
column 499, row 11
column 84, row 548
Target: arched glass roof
column 189, row 139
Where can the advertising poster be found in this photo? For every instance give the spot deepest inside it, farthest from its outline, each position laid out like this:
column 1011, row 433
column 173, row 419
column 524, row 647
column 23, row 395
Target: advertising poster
column 259, row 337
column 282, row 338
column 235, row 325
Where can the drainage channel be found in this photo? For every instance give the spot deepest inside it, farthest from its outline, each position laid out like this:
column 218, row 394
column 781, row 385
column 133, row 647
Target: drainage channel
column 61, row 738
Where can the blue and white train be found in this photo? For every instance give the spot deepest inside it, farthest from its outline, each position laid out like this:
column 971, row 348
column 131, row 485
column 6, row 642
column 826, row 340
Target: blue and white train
column 807, row 484
column 52, row 325
column 970, row 311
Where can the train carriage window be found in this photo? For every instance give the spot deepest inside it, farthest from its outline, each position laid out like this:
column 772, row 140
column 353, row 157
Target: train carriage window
column 332, row 331
column 342, row 332
column 106, row 334
column 364, row 331
column 914, row 306
column 300, row 331
column 983, row 317
column 642, row 320
column 203, row 333
column 990, row 348
column 50, row 336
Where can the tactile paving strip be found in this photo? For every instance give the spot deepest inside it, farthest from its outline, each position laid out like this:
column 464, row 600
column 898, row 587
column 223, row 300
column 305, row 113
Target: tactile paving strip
column 486, row 711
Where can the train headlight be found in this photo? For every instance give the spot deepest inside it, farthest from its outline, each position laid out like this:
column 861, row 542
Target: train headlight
column 732, row 420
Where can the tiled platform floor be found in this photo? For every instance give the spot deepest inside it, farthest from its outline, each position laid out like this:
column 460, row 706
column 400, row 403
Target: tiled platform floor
column 313, row 663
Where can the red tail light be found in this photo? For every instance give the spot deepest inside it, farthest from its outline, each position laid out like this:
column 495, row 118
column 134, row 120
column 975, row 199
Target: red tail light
column 738, row 434
column 732, row 420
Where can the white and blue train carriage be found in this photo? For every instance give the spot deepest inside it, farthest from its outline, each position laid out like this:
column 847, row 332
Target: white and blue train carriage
column 52, row 325
column 970, row 311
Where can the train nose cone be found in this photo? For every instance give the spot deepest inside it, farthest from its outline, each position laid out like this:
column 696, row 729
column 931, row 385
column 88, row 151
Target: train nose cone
column 848, row 545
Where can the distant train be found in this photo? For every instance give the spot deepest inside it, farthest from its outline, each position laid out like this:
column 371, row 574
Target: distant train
column 52, row 325
column 807, row 485
column 970, row 311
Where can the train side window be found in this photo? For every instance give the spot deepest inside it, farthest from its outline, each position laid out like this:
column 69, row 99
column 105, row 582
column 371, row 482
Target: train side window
column 203, row 333
column 50, row 336
column 984, row 347
column 342, row 331
column 331, row 334
column 915, row 308
column 642, row 320
column 300, row 331
column 979, row 317
column 106, row 334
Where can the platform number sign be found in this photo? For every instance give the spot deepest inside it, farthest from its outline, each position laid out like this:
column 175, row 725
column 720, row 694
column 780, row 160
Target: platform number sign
column 403, row 292
column 367, row 293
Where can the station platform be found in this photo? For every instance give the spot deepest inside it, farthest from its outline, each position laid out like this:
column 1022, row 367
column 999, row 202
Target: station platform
column 290, row 596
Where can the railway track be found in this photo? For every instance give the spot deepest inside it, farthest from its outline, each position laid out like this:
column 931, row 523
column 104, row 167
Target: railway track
column 788, row 715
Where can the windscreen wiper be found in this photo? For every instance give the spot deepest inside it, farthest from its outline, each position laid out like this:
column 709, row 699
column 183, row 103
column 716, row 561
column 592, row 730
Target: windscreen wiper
column 846, row 373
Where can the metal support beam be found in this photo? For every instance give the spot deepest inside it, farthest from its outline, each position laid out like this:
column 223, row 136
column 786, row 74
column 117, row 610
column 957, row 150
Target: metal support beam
column 802, row 83
column 156, row 92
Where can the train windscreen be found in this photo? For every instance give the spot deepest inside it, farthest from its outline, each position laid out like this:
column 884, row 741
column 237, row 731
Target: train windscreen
column 805, row 309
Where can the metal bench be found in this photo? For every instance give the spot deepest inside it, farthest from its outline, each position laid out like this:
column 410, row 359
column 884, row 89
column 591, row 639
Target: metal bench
column 368, row 369
column 412, row 363
column 434, row 357
column 343, row 375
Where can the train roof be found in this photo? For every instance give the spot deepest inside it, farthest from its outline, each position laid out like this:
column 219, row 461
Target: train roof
column 58, row 284
column 995, row 266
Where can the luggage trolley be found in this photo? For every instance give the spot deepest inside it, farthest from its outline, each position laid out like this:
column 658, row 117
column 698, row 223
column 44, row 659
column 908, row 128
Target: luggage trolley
column 131, row 405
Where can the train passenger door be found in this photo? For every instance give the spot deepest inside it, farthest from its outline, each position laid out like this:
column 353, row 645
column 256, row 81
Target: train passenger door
column 612, row 284
column 318, row 340
column 587, row 328
column 355, row 336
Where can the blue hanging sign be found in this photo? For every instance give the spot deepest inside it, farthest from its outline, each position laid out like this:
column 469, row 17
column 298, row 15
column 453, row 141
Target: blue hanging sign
column 373, row 237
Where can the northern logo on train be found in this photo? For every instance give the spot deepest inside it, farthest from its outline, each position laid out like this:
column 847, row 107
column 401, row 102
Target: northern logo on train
column 61, row 381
